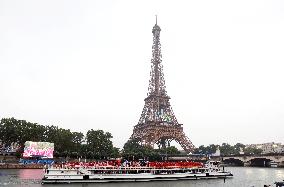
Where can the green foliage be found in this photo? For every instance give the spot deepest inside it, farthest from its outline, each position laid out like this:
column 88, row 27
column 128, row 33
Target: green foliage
column 99, row 143
column 206, row 150
column 239, row 147
column 133, row 149
column 66, row 143
column 252, row 151
column 170, row 150
column 226, row 149
column 115, row 153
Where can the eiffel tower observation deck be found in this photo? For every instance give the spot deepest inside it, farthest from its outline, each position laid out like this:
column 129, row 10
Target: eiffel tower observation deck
column 158, row 124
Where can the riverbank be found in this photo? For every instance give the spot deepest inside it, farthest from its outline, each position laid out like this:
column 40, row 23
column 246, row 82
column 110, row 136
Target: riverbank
column 243, row 176
column 21, row 166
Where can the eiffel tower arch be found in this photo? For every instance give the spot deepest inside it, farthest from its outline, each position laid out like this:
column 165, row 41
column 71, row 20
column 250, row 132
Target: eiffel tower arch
column 158, row 124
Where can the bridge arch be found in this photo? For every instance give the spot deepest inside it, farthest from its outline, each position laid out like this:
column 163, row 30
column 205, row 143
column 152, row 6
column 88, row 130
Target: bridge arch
column 263, row 158
column 255, row 160
column 233, row 161
column 260, row 162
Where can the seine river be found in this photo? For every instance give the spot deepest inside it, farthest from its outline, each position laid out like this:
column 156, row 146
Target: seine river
column 243, row 177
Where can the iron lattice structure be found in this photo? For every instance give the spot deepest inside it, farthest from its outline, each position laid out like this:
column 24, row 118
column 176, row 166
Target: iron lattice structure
column 158, row 124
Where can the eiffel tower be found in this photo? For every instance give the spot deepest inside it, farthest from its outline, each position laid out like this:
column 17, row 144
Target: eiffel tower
column 158, row 124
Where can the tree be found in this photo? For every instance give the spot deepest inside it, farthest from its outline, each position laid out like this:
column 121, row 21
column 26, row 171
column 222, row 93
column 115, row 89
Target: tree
column 172, row 150
column 200, row 150
column 8, row 130
column 133, row 149
column 227, row 149
column 208, row 150
column 212, row 148
column 66, row 143
column 238, row 147
column 77, row 140
column 115, row 153
column 83, row 150
column 132, row 145
column 252, row 151
column 99, row 143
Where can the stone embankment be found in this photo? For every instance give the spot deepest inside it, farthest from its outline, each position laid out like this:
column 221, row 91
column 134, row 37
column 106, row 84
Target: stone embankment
column 20, row 166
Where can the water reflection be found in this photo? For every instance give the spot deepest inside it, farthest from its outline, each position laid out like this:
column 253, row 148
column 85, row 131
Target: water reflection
column 280, row 174
column 30, row 174
column 243, row 177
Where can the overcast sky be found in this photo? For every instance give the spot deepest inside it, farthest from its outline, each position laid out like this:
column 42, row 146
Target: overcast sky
column 86, row 64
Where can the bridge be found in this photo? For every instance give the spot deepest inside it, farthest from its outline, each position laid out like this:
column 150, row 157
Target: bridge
column 240, row 160
column 252, row 160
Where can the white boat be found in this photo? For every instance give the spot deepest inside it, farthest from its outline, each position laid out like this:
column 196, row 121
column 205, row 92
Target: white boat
column 130, row 174
column 273, row 164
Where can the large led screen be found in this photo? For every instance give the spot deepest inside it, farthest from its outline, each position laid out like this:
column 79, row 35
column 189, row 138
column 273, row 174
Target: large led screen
column 43, row 149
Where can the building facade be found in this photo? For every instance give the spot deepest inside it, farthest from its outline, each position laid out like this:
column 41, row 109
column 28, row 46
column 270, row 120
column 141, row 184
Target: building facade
column 270, row 147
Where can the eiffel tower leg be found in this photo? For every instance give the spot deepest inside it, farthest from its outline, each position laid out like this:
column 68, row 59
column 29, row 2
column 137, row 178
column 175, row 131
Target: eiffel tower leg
column 185, row 143
column 163, row 143
column 169, row 142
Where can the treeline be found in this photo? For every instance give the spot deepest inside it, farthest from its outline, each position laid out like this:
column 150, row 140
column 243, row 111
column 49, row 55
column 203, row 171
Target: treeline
column 227, row 149
column 133, row 149
column 95, row 144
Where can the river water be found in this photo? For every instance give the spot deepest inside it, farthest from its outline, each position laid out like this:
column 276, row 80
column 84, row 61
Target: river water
column 243, row 177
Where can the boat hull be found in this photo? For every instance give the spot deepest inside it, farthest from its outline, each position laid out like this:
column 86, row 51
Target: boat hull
column 133, row 178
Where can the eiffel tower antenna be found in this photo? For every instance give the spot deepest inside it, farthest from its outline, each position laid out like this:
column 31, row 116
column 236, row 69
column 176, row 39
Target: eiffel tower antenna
column 156, row 19
column 157, row 123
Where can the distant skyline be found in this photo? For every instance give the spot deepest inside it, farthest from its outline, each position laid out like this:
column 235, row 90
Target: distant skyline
column 86, row 65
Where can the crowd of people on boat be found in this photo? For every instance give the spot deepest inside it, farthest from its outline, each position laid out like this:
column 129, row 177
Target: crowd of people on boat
column 134, row 164
column 181, row 164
